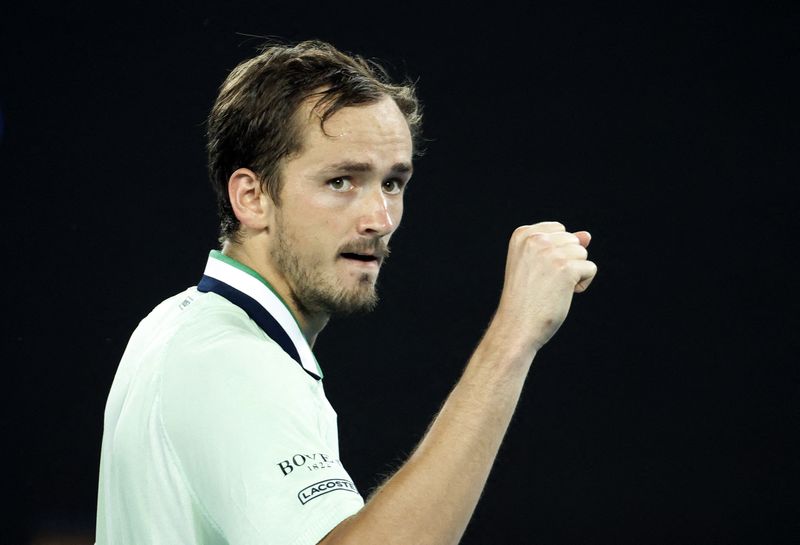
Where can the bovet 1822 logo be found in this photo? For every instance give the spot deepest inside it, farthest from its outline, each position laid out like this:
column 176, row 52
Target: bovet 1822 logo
column 311, row 462
column 323, row 487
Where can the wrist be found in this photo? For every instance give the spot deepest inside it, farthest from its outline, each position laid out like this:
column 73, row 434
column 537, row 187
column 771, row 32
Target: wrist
column 509, row 340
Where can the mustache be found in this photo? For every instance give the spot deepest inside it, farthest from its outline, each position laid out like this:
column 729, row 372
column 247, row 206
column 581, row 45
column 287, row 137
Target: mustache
column 374, row 246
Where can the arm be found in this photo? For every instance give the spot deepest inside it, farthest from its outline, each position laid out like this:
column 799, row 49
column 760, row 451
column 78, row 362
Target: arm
column 432, row 496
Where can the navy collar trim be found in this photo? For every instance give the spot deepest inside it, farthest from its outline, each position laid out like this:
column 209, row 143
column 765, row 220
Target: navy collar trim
column 253, row 296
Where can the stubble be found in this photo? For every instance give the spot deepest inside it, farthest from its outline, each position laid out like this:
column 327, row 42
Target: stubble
column 312, row 290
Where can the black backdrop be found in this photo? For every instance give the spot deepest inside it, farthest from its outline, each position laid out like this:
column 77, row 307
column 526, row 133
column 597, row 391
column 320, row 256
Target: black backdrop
column 664, row 411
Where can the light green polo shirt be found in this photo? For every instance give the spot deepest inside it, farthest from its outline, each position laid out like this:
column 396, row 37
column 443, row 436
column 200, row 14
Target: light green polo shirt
column 213, row 432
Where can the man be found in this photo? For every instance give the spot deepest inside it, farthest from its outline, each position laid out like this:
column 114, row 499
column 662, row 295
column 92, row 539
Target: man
column 217, row 429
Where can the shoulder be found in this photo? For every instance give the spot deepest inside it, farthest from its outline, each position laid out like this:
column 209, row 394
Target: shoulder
column 218, row 353
column 217, row 335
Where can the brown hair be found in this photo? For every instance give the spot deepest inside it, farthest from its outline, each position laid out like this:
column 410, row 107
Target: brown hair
column 252, row 122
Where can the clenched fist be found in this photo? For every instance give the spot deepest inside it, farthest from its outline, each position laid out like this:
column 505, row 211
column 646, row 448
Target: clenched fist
column 545, row 266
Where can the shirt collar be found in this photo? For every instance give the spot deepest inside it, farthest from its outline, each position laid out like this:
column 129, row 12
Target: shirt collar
column 247, row 289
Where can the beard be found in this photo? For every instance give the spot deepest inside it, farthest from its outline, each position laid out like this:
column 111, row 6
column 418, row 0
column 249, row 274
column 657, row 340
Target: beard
column 312, row 290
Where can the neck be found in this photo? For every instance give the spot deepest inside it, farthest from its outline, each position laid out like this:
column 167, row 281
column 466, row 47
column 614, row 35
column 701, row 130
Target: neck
column 311, row 324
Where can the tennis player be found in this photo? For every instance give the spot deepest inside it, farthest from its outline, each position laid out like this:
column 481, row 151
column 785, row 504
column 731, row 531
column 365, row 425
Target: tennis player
column 217, row 428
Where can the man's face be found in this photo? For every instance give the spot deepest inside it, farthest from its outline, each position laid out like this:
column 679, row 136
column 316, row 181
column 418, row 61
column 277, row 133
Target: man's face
column 341, row 200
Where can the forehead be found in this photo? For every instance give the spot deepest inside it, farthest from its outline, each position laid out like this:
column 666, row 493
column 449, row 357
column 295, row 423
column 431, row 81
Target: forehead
column 376, row 133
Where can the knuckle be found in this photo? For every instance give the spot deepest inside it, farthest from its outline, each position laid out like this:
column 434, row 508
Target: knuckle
column 519, row 230
column 556, row 224
column 541, row 244
column 520, row 233
column 533, row 238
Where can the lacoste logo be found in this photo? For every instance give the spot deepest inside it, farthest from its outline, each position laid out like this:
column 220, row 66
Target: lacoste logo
column 323, row 487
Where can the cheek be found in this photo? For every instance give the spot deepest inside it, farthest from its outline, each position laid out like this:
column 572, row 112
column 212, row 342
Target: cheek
column 397, row 212
column 322, row 200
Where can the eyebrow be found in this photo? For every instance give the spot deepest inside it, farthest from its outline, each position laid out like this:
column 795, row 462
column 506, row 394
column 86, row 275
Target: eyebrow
column 354, row 166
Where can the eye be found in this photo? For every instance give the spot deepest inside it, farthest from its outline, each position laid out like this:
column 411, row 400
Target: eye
column 393, row 186
column 340, row 184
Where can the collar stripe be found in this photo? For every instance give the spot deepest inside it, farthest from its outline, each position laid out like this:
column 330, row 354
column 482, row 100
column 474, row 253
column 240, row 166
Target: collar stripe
column 263, row 307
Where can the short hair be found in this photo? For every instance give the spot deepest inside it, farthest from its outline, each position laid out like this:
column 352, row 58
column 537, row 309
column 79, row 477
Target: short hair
column 253, row 125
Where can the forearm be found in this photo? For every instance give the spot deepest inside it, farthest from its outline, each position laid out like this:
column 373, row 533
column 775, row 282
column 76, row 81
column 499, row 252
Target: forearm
column 432, row 496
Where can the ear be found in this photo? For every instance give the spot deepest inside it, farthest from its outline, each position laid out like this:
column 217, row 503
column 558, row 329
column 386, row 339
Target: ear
column 251, row 205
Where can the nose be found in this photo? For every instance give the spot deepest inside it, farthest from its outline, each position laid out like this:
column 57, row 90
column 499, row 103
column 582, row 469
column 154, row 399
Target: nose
column 379, row 215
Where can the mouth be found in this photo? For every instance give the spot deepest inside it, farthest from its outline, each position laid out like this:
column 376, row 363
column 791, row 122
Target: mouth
column 361, row 259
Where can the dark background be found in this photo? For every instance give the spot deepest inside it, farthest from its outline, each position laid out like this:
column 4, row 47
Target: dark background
column 664, row 411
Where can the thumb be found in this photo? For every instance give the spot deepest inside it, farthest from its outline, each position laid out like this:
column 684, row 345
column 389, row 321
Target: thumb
column 584, row 237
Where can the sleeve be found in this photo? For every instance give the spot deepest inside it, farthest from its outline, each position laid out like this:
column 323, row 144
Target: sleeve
column 251, row 439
